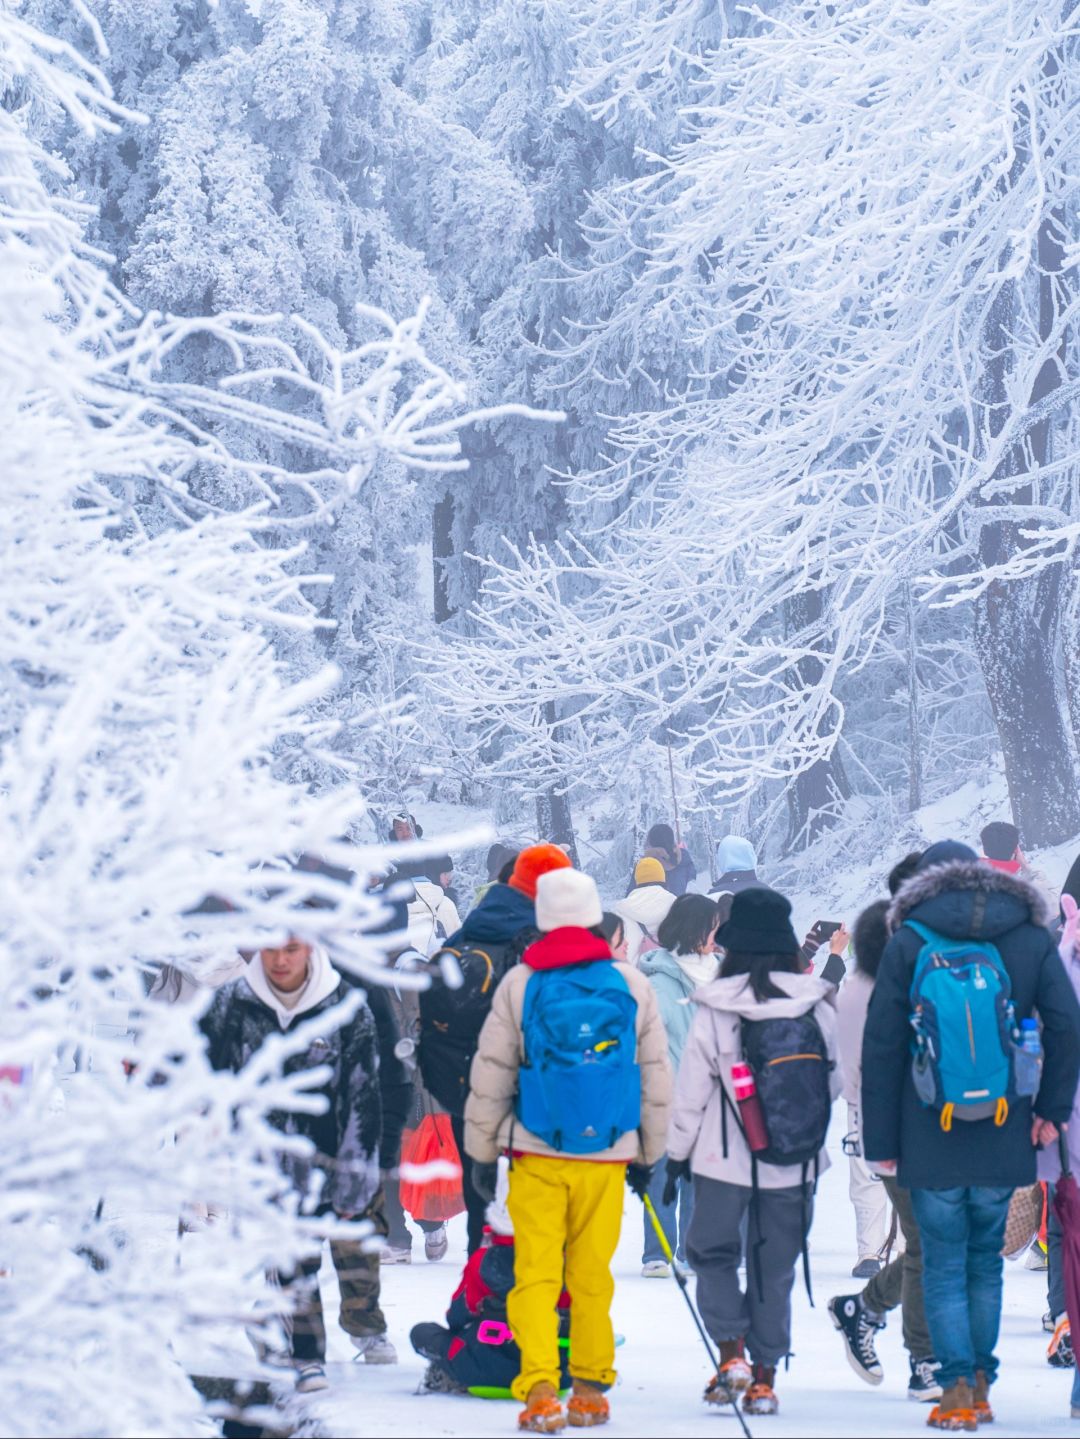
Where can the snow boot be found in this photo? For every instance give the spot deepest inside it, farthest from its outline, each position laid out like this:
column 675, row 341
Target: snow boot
column 858, row 1326
column 983, row 1413
column 761, row 1398
column 310, row 1378
column 373, row 1348
column 1059, row 1353
column 436, row 1244
column 733, row 1377
column 588, row 1406
column 923, row 1384
column 955, row 1410
column 543, row 1413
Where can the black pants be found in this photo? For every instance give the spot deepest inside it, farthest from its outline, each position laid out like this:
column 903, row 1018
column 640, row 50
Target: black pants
column 715, row 1246
column 475, row 1204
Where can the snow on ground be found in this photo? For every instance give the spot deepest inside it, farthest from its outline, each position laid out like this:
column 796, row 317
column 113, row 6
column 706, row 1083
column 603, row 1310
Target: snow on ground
column 662, row 1364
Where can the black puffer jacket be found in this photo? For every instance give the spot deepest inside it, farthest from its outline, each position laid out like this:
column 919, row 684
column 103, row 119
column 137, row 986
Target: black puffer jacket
column 966, row 900
column 347, row 1136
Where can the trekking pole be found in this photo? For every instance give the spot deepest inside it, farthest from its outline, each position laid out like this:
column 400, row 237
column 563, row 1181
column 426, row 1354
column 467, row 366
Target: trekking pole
column 680, row 1280
column 674, row 796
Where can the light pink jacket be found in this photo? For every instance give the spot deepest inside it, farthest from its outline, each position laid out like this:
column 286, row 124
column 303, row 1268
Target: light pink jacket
column 698, row 1129
column 852, row 1004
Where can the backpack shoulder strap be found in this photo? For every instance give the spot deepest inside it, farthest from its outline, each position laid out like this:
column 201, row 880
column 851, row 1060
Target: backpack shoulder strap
column 926, row 934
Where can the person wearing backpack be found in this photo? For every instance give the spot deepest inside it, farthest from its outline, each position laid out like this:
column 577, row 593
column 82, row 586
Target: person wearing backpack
column 644, row 907
column 571, row 1077
column 432, row 914
column 489, row 943
column 686, row 960
column 959, row 1121
column 754, row 1158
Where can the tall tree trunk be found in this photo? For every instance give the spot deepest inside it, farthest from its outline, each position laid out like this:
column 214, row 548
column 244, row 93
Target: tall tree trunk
column 814, row 796
column 1017, row 623
column 442, row 550
column 554, row 820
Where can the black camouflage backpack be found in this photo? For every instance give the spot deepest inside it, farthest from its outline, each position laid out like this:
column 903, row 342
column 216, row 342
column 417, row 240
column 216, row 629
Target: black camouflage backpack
column 790, row 1064
column 451, row 1020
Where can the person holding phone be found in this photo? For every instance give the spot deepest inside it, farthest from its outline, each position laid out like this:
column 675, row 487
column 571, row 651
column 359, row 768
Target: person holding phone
column 833, row 933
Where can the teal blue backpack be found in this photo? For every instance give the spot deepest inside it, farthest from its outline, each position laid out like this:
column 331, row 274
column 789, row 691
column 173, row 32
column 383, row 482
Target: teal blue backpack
column 964, row 1024
column 579, row 1087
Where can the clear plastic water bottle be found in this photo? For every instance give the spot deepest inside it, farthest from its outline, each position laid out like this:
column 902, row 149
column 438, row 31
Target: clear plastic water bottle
column 1028, row 1058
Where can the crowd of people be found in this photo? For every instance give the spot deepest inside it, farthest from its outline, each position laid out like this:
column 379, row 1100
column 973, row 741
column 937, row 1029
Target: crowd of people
column 692, row 1046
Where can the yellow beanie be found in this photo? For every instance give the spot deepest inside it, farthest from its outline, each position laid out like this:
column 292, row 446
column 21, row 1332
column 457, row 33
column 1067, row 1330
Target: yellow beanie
column 649, row 871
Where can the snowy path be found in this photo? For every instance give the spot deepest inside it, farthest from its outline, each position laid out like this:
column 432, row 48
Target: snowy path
column 663, row 1367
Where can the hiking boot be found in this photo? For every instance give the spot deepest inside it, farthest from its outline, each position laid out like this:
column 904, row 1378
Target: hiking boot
column 588, row 1406
column 373, row 1348
column 923, row 1384
column 955, row 1410
column 866, row 1268
column 733, row 1377
column 761, row 1398
column 1059, row 1353
column 310, row 1378
column 543, row 1413
column 983, row 1413
column 858, row 1326
column 436, row 1244
column 655, row 1269
column 394, row 1254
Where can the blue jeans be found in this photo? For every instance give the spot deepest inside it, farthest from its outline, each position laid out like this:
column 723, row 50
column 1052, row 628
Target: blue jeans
column 962, row 1232
column 674, row 1217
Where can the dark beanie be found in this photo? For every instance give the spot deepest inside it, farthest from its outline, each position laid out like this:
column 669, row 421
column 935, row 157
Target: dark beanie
column 760, row 923
column 661, row 836
column 947, row 851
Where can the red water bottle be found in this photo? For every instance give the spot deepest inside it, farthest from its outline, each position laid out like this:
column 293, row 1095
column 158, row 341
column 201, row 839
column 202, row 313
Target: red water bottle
column 750, row 1112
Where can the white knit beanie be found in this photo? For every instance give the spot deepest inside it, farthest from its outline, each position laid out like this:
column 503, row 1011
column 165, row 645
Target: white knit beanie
column 565, row 897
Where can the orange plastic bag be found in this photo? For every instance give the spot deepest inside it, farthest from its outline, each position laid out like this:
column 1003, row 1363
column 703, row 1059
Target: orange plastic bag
column 436, row 1196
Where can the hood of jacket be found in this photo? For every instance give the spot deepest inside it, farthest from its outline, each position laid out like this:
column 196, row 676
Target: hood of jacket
column 501, row 914
column 647, row 905
column 569, row 945
column 968, row 900
column 734, row 996
column 662, row 961
column 323, row 979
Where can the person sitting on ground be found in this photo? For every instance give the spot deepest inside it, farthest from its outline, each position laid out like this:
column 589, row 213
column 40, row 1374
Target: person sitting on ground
column 960, row 1167
column 679, row 868
column 489, row 943
column 282, row 986
column 574, row 1121
column 643, row 908
column 685, row 961
column 735, row 865
column 474, row 1352
column 766, row 1012
column 859, row 1316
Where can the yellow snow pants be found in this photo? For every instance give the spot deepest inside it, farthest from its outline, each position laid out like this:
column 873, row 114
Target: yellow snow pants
column 567, row 1214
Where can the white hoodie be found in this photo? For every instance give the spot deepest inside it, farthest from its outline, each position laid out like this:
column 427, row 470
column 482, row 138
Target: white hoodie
column 322, row 980
column 432, row 917
column 641, row 913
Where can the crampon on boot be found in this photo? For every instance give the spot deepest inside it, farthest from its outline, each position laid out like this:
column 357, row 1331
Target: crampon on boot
column 983, row 1413
column 543, row 1412
column 761, row 1398
column 955, row 1410
column 1059, row 1352
column 588, row 1406
column 733, row 1377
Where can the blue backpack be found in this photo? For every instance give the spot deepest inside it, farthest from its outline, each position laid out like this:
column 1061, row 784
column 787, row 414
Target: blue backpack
column 965, row 1028
column 579, row 1087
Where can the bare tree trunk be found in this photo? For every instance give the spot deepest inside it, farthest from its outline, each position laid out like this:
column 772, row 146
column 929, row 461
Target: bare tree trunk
column 554, row 820
column 815, row 795
column 442, row 550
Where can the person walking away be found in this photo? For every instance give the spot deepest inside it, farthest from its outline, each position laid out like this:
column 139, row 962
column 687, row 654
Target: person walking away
column 735, row 865
column 643, row 908
column 858, row 1317
column 970, row 958
column 686, row 960
column 499, row 865
column 572, row 1078
column 679, row 868
column 766, row 1015
column 281, row 987
column 490, row 942
column 432, row 914
column 614, row 931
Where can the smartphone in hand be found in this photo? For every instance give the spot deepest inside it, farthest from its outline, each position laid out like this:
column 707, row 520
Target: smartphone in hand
column 823, row 930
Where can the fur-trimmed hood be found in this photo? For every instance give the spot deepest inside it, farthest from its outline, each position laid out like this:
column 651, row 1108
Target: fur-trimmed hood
column 968, row 900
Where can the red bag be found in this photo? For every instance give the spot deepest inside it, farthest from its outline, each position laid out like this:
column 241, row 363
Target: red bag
column 438, row 1197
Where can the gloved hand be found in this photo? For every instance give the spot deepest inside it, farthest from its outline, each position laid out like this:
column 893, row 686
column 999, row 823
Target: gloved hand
column 638, row 1177
column 484, row 1179
column 675, row 1169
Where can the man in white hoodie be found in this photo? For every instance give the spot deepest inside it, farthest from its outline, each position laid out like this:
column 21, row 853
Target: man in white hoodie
column 283, row 985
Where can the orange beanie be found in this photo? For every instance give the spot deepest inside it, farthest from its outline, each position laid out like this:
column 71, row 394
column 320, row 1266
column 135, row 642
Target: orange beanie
column 532, row 863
